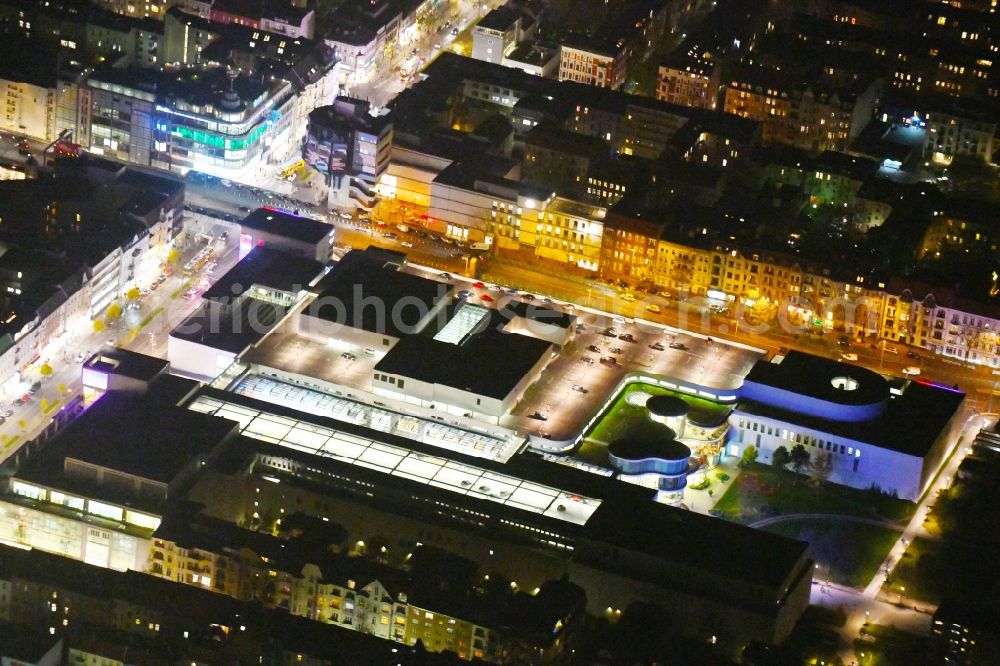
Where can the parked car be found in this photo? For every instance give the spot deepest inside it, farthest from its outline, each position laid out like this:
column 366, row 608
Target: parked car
column 580, row 389
column 843, row 341
column 890, row 349
column 912, row 370
column 627, row 337
column 609, row 360
column 616, row 350
column 678, row 345
column 653, row 307
column 627, row 297
column 587, row 360
column 528, row 297
column 913, row 355
column 478, row 285
column 486, row 297
column 849, row 357
column 348, row 356
column 658, row 346
column 35, row 388
column 594, row 348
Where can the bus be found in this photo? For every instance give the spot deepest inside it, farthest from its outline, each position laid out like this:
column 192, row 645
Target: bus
column 288, row 171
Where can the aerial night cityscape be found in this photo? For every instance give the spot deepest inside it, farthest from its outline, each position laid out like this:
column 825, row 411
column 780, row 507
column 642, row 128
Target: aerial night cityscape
column 528, row 332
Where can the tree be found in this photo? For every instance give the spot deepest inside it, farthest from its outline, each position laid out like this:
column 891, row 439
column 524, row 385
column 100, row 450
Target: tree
column 98, row 325
column 749, row 455
column 821, row 467
column 173, row 256
column 781, row 457
column 45, row 370
column 800, row 457
column 113, row 312
column 132, row 293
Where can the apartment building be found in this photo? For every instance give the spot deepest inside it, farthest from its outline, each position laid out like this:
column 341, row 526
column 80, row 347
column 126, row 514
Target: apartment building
column 594, row 61
column 689, row 79
column 812, row 116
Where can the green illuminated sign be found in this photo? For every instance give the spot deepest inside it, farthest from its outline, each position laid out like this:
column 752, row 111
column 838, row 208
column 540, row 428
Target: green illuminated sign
column 217, row 141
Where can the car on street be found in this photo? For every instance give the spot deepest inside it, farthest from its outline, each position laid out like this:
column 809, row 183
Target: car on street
column 627, row 297
column 495, row 287
column 445, row 276
column 913, row 355
column 478, row 285
column 35, row 388
column 580, row 389
column 627, row 337
column 587, row 360
column 616, row 350
column 81, row 357
column 18, row 402
column 486, row 297
column 528, row 297
column 609, row 360
column 111, row 342
column 406, row 244
column 609, row 333
column 538, row 416
column 594, row 348
column 653, row 307
column 348, row 356
column 658, row 346
column 678, row 345
column 510, row 292
column 911, row 370
column 849, row 357
column 843, row 341
column 7, row 413
column 3, row 419
column 465, row 293
column 890, row 349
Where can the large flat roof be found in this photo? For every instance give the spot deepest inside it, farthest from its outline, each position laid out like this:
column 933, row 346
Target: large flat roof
column 369, row 448
column 486, row 361
column 146, row 436
column 695, row 540
column 283, row 224
column 910, row 423
column 265, row 267
column 232, row 331
column 598, row 509
column 469, row 442
column 362, row 291
column 810, row 375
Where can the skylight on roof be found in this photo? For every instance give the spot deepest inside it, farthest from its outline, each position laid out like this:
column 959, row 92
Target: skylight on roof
column 465, row 321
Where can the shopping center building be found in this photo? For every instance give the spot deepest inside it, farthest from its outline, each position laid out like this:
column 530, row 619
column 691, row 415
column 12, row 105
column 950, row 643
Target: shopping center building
column 867, row 431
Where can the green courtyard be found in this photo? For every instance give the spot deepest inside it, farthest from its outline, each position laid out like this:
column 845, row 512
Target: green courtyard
column 762, row 491
column 624, row 418
column 848, row 552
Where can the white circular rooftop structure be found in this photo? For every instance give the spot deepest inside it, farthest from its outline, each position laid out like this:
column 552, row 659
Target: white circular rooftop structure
column 845, row 383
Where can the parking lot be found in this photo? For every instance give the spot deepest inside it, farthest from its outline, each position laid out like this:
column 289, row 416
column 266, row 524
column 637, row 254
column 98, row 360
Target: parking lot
column 574, row 386
column 286, row 350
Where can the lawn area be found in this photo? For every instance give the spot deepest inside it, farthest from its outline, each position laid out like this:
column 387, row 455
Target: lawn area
column 627, row 419
column 761, row 491
column 882, row 645
column 847, row 553
column 931, row 570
